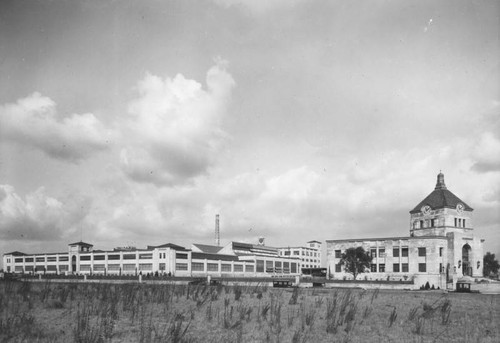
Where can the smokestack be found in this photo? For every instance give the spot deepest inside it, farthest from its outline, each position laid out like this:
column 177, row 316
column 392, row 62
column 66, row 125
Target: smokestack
column 217, row 231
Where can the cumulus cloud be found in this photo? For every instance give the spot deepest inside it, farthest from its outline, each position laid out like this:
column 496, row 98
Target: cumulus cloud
column 33, row 121
column 38, row 217
column 174, row 131
column 487, row 154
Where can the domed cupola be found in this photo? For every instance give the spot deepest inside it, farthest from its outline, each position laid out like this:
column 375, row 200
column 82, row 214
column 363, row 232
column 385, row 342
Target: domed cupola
column 440, row 182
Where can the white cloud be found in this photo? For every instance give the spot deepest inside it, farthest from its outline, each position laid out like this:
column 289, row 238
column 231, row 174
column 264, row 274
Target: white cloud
column 174, row 132
column 487, row 153
column 33, row 121
column 38, row 217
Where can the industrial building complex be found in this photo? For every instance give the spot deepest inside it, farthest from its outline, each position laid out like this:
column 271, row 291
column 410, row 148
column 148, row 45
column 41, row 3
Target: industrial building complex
column 440, row 249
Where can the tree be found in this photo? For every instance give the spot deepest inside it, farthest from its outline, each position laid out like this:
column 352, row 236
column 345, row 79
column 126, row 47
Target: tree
column 355, row 261
column 490, row 265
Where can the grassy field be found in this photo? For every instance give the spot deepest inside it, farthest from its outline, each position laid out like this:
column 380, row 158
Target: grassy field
column 56, row 312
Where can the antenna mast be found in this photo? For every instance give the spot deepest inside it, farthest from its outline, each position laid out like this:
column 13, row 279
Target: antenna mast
column 217, row 231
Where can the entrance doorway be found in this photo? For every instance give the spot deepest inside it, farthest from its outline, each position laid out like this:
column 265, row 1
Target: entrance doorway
column 73, row 264
column 466, row 263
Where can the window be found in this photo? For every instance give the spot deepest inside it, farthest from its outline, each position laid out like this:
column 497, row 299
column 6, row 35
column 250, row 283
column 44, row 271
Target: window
column 99, row 257
column 373, row 268
column 113, row 257
column 373, row 252
column 395, row 267
column 422, row 268
column 181, row 266
column 197, row 267
column 277, row 264
column 404, row 267
column 98, row 267
column 395, row 252
column 421, row 224
column 296, row 252
column 249, row 268
column 148, row 266
column 381, row 252
column 421, row 252
column 260, row 266
column 338, row 268
column 338, row 254
column 432, row 222
column 145, row 256
column 85, row 268
column 28, row 259
column 269, row 267
column 129, row 257
column 18, row 269
column 381, row 268
column 129, row 267
column 225, row 267
column 286, row 267
column 113, row 267
column 293, row 268
column 52, row 259
column 441, row 251
column 180, row 256
column 63, row 258
column 455, row 222
column 162, row 266
column 18, row 260
column 85, row 258
column 441, row 270
column 40, row 259
column 404, row 252
column 63, row 268
column 52, row 268
column 212, row 267
column 238, row 268
column 463, row 222
column 287, row 253
column 8, row 260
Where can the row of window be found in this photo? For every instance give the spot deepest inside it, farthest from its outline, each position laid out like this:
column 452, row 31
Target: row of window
column 116, row 257
column 39, row 259
column 428, row 223
column 298, row 253
column 396, row 252
column 396, row 268
column 27, row 269
column 214, row 267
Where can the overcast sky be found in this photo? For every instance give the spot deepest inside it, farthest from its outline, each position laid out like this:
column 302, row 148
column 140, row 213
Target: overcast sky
column 136, row 122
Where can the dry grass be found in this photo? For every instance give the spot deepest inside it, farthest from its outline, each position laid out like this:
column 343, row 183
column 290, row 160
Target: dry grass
column 52, row 312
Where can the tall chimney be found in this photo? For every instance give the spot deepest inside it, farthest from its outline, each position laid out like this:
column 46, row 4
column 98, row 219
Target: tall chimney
column 217, row 231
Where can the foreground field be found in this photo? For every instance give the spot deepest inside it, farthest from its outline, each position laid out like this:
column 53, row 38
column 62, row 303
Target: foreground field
column 52, row 312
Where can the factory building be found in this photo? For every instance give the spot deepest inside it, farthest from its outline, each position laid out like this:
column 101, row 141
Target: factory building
column 441, row 248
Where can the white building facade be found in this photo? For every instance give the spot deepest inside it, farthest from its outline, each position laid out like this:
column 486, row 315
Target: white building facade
column 309, row 255
column 441, row 248
column 233, row 260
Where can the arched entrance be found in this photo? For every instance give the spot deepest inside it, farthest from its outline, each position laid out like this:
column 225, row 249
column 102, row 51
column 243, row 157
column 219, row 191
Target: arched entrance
column 73, row 264
column 466, row 261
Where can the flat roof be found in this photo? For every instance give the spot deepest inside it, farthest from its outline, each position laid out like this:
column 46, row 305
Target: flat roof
column 385, row 238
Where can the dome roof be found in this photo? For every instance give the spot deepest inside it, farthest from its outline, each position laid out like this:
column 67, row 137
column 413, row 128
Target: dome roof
column 441, row 197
